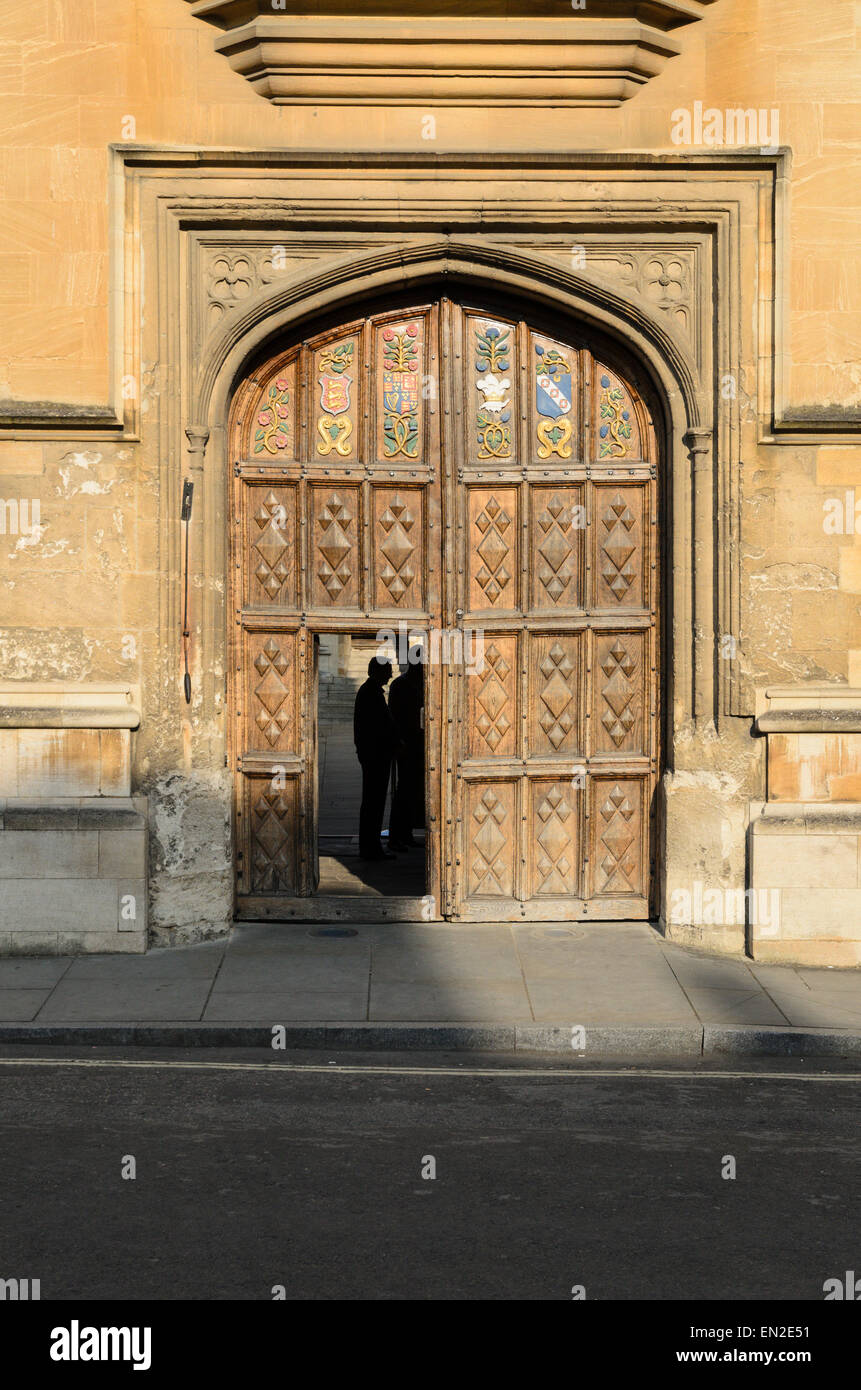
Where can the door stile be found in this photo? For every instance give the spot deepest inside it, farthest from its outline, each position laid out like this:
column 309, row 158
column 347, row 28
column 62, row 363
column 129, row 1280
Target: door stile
column 433, row 695
column 450, row 401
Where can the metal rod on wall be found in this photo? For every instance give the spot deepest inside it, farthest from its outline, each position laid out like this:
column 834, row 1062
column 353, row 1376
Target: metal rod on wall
column 185, row 516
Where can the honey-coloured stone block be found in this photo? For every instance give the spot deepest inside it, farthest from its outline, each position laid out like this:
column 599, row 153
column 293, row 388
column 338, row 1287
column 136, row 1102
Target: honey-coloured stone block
column 805, row 861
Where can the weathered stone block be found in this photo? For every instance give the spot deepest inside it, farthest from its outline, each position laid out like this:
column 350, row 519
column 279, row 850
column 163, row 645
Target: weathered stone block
column 49, row 854
column 122, row 854
column 829, row 954
column 805, row 861
column 52, row 904
column 58, row 762
column 812, row 914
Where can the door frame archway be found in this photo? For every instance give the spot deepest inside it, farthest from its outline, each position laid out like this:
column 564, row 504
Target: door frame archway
column 655, row 351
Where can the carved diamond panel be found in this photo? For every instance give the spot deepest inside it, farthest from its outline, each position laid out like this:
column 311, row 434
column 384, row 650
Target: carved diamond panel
column 555, row 695
column 491, row 839
column 271, row 837
column 335, row 558
column 617, row 836
column 619, row 579
column 558, row 528
column 398, row 548
column 271, row 714
column 270, row 528
column 493, row 549
column 618, row 693
column 555, row 856
column 493, row 700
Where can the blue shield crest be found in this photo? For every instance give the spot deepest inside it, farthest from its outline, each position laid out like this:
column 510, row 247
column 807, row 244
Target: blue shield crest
column 553, row 392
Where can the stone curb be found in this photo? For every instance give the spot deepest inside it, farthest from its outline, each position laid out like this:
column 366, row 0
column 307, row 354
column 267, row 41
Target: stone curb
column 671, row 1040
column 781, row 1042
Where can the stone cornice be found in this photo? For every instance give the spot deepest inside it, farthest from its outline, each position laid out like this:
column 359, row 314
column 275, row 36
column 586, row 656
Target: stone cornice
column 504, row 53
column 69, row 705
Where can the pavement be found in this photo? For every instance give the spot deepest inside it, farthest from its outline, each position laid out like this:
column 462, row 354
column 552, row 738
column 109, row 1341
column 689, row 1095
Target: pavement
column 596, row 989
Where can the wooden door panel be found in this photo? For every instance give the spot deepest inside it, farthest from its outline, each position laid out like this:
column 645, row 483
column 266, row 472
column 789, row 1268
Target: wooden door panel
column 264, row 413
column 619, row 564
column 555, row 392
column 400, row 418
column 270, row 835
column 620, row 695
column 493, row 549
column 272, row 706
column 335, row 562
column 617, row 850
column 553, row 838
column 555, row 724
column 492, row 839
column 398, row 548
column 270, row 531
column 336, row 400
column 617, row 430
column 491, row 364
column 557, row 547
column 493, row 714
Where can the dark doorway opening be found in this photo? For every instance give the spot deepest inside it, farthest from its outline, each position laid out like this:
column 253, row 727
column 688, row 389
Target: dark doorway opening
column 342, row 872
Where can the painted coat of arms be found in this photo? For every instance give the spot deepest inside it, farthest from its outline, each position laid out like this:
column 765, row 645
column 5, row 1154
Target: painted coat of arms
column 400, row 392
column 401, row 385
column 335, row 425
column 335, row 393
column 554, row 391
column 554, row 395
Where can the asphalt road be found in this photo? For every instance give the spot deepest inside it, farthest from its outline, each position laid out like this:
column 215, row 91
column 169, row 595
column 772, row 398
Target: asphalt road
column 306, row 1171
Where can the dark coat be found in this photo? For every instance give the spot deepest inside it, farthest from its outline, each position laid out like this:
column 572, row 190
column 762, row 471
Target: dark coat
column 374, row 733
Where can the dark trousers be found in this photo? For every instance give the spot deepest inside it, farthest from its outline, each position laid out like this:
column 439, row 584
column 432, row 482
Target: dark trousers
column 375, row 784
column 408, row 811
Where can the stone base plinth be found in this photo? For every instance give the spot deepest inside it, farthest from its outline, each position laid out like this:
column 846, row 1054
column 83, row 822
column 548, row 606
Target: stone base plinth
column 73, row 875
column 805, row 872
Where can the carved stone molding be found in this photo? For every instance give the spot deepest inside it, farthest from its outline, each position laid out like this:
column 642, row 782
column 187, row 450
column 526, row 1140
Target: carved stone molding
column 479, row 53
column 232, row 273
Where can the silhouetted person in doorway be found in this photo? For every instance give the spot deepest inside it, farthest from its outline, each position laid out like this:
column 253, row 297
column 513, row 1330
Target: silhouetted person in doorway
column 376, row 740
column 406, row 703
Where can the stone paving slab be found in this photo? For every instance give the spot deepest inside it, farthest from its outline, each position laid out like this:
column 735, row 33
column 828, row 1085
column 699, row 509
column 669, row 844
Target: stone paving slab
column 621, row 981
column 33, row 972
column 97, row 1001
column 21, row 1005
column 294, row 1006
column 487, row 1001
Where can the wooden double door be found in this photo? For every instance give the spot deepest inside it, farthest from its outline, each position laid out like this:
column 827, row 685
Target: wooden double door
column 449, row 471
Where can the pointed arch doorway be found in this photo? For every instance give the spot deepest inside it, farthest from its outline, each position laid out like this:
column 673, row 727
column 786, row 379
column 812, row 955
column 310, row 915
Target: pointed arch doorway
column 464, row 471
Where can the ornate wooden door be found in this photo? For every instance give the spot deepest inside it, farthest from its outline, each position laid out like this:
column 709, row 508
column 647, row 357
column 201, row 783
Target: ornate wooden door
column 553, row 483
column 336, row 528
column 455, row 471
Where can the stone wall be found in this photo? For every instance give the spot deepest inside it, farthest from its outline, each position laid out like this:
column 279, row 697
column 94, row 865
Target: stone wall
column 109, row 313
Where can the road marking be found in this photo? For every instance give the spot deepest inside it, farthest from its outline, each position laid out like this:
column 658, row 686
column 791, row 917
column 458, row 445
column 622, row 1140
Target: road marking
column 340, row 1069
